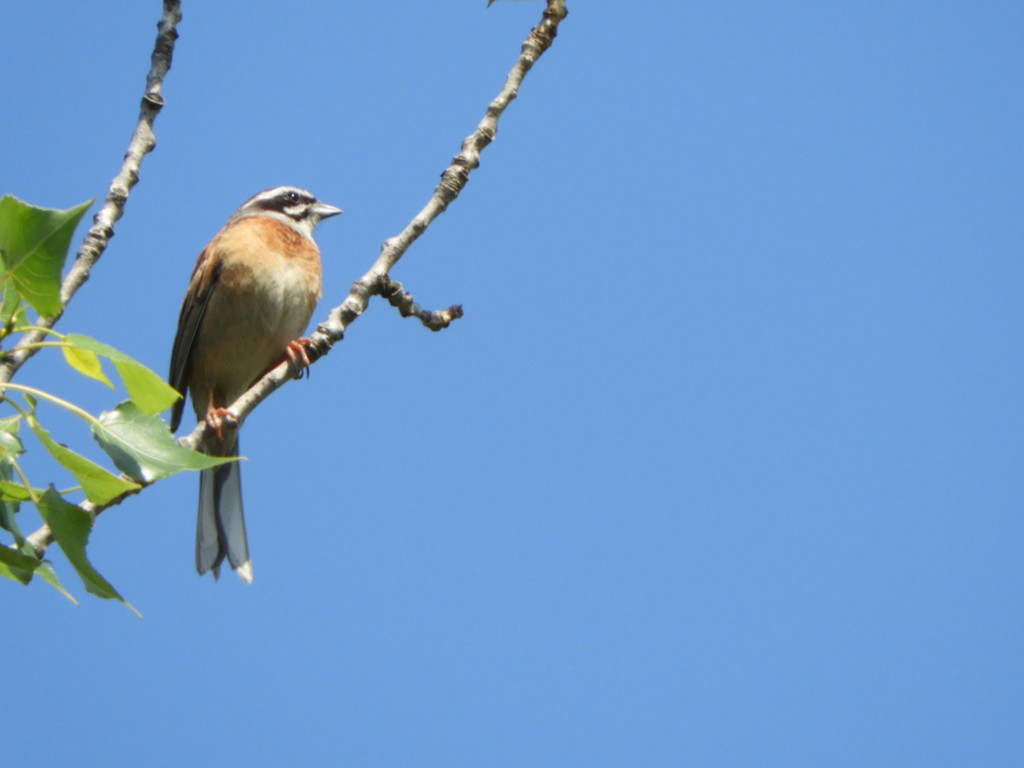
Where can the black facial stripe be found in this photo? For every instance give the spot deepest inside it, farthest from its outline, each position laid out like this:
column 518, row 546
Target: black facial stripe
column 290, row 201
column 282, row 203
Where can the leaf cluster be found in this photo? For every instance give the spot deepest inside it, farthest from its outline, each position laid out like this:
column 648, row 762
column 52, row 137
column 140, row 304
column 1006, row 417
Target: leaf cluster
column 34, row 245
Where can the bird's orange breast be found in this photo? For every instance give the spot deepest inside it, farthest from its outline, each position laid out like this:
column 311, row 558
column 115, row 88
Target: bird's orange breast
column 267, row 286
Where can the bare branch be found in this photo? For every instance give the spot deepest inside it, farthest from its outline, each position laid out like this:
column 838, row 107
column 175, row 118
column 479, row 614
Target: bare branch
column 453, row 180
column 376, row 280
column 96, row 239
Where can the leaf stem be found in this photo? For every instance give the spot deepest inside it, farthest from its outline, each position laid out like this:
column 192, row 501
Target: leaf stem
column 25, row 482
column 70, row 407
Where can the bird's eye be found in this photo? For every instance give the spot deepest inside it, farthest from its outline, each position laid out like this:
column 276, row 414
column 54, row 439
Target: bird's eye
column 292, row 197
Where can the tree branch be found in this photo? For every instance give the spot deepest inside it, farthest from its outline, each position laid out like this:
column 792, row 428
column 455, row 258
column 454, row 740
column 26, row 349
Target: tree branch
column 376, row 280
column 96, row 239
column 453, row 180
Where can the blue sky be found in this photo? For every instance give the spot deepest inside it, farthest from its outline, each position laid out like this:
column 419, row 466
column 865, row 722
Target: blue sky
column 722, row 467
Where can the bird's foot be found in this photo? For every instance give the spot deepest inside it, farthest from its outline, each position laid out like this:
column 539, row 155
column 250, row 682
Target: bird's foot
column 216, row 418
column 297, row 353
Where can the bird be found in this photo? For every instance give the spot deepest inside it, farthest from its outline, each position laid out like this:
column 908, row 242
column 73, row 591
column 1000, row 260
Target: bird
column 249, row 299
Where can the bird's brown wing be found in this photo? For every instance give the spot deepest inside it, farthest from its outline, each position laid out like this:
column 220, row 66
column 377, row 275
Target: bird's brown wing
column 193, row 308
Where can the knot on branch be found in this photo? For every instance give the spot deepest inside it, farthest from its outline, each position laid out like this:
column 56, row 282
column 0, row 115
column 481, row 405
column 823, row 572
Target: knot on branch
column 117, row 194
column 455, row 177
column 96, row 238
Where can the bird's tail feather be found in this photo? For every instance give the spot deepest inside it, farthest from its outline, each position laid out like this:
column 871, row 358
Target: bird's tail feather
column 220, row 530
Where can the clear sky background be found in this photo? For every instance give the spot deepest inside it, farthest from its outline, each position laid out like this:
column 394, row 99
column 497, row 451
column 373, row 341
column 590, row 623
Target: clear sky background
column 723, row 466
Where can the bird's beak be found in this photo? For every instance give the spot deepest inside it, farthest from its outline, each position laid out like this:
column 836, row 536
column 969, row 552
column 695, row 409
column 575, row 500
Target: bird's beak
column 324, row 211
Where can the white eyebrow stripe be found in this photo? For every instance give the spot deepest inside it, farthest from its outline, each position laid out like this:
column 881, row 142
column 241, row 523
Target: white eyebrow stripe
column 275, row 197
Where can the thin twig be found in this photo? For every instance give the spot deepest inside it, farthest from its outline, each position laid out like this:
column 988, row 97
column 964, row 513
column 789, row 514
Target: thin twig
column 96, row 239
column 434, row 320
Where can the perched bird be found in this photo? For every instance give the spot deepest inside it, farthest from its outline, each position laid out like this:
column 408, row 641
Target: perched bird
column 250, row 297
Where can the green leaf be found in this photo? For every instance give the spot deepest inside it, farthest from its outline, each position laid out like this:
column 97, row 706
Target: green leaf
column 85, row 362
column 70, row 527
column 11, row 305
column 100, row 485
column 9, row 427
column 13, row 491
column 34, row 244
column 16, row 566
column 27, row 565
column 46, row 573
column 10, row 424
column 10, row 449
column 143, row 447
column 8, row 510
column 13, row 575
column 147, row 389
column 9, row 502
column 10, row 446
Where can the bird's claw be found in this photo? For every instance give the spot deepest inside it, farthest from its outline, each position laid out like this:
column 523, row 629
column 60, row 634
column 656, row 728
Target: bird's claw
column 216, row 418
column 297, row 353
